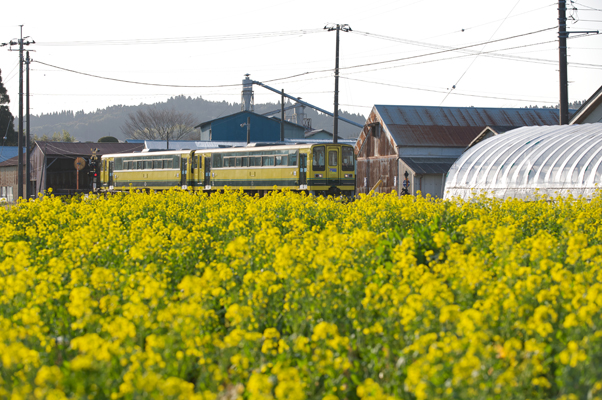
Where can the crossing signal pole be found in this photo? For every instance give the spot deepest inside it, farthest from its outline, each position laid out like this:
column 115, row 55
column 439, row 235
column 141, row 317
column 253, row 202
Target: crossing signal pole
column 338, row 28
column 20, row 42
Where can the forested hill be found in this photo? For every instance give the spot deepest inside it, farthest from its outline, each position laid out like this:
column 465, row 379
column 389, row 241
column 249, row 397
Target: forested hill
column 108, row 121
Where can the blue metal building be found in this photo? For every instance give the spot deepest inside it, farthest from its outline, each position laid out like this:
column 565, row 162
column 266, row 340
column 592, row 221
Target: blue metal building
column 263, row 129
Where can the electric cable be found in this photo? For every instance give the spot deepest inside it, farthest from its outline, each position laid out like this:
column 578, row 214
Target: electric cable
column 176, row 40
column 444, row 91
column 477, row 56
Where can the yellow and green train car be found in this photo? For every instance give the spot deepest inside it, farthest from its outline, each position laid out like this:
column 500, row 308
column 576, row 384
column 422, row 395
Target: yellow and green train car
column 321, row 169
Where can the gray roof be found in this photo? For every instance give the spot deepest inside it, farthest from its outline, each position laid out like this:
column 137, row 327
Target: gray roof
column 82, row 149
column 196, row 145
column 427, row 165
column 454, row 126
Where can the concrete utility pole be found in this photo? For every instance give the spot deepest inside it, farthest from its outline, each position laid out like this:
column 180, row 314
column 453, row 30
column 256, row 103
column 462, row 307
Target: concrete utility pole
column 282, row 116
column 20, row 42
column 563, row 34
column 28, row 134
column 344, row 28
column 562, row 59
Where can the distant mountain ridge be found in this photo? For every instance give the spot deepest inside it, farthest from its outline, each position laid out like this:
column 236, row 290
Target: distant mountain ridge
column 108, row 121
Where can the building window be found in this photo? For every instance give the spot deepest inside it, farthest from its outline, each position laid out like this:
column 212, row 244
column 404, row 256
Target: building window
column 375, row 129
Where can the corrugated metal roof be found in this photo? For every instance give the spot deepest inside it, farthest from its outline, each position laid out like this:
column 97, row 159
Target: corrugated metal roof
column 454, row 126
column 426, row 165
column 81, row 149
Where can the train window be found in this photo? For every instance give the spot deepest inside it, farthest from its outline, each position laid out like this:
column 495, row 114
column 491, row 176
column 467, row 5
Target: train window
column 281, row 160
column 319, row 162
column 238, row 161
column 348, row 161
column 157, row 164
column 292, row 158
column 193, row 162
column 140, row 164
column 332, row 158
column 268, row 160
column 254, row 161
column 168, row 164
column 245, row 161
column 216, row 160
column 148, row 165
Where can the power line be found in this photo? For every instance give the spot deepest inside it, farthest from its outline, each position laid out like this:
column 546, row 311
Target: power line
column 588, row 7
column 444, row 91
column 300, row 74
column 488, row 54
column 189, row 39
column 481, row 51
column 158, row 84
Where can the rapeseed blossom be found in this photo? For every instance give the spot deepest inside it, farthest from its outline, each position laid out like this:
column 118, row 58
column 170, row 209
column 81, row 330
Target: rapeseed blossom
column 180, row 295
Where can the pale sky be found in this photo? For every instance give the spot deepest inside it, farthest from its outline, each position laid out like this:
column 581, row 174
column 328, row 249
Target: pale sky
column 211, row 43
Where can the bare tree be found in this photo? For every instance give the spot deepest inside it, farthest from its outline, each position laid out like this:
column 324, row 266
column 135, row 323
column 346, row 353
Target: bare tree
column 156, row 124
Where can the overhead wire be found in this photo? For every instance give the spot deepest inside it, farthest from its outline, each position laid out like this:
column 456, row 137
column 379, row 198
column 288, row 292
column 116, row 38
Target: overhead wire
column 477, row 56
column 187, row 39
column 444, row 91
column 295, row 75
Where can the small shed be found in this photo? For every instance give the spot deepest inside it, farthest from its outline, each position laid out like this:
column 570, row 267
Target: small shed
column 9, row 179
column 234, row 128
column 52, row 164
column 424, row 142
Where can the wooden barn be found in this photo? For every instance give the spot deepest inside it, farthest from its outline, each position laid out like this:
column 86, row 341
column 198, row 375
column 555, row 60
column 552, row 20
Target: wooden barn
column 424, row 142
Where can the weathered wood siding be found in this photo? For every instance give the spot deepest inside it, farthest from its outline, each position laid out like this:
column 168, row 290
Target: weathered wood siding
column 376, row 158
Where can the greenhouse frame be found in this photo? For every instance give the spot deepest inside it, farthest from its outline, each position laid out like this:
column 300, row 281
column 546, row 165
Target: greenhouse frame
column 527, row 162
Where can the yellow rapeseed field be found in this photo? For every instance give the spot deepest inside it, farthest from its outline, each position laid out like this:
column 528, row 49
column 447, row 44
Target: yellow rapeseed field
column 178, row 295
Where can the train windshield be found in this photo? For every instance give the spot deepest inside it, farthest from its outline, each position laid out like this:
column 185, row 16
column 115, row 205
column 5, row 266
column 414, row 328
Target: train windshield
column 347, row 157
column 319, row 161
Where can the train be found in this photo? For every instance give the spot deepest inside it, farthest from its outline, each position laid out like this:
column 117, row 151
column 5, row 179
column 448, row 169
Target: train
column 320, row 169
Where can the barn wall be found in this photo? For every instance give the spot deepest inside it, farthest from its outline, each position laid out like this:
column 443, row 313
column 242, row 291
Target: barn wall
column 376, row 158
column 371, row 170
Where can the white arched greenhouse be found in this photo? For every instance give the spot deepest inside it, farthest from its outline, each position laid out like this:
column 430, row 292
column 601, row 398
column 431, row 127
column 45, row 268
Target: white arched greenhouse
column 522, row 163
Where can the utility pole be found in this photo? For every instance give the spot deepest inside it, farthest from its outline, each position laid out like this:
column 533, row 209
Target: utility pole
column 344, row 28
column 248, row 130
column 562, row 59
column 28, row 134
column 282, row 116
column 563, row 34
column 20, row 42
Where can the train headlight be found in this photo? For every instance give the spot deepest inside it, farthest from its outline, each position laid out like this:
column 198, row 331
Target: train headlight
column 317, row 175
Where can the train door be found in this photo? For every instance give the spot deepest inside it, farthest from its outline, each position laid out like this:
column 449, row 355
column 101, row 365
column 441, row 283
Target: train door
column 183, row 174
column 110, row 170
column 302, row 171
column 207, row 169
column 333, row 169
